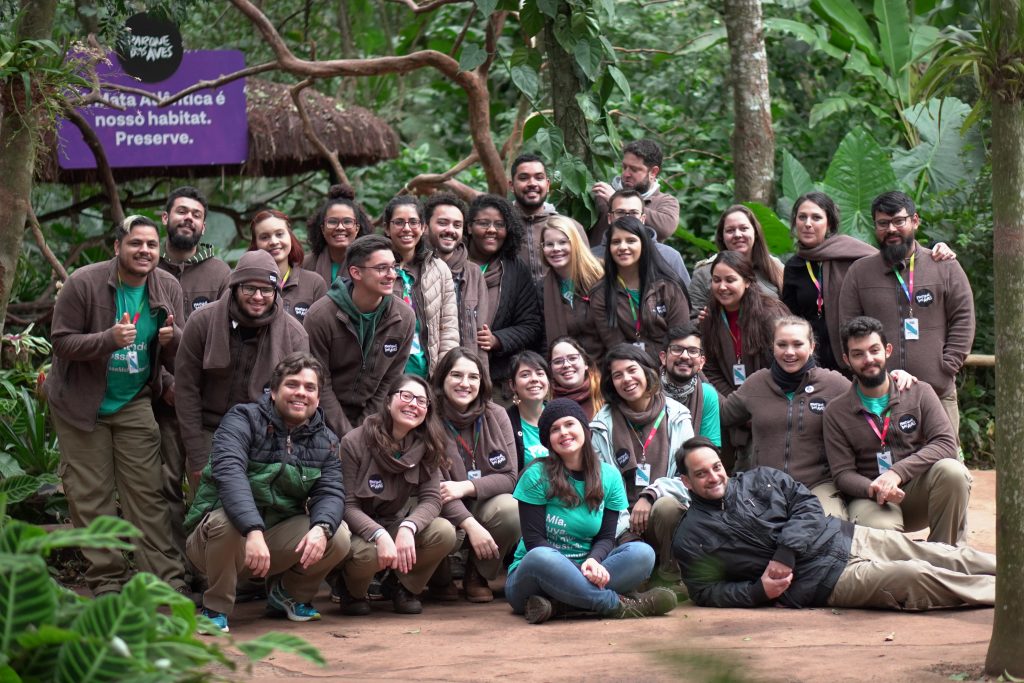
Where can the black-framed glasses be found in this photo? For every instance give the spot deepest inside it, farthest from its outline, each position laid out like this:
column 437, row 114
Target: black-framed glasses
column 383, row 269
column 250, row 290
column 622, row 213
column 408, row 397
column 897, row 222
column 691, row 351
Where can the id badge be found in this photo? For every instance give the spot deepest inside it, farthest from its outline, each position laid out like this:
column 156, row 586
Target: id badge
column 640, row 345
column 911, row 330
column 473, row 474
column 739, row 374
column 133, row 361
column 884, row 459
column 643, row 474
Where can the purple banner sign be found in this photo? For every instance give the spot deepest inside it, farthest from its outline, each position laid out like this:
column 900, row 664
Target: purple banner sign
column 206, row 127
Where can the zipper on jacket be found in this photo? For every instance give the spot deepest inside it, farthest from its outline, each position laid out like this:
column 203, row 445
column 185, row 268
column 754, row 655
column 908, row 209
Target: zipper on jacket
column 789, row 432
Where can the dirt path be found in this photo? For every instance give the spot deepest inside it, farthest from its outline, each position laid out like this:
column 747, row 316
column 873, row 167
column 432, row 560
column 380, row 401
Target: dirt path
column 463, row 642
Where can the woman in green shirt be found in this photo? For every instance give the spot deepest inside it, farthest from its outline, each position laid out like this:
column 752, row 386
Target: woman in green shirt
column 531, row 388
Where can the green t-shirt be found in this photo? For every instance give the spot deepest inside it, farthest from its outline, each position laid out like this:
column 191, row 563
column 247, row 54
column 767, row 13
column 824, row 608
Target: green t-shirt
column 128, row 368
column 570, row 531
column 417, row 363
column 335, row 267
column 532, row 448
column 710, row 424
column 874, row 405
column 568, row 290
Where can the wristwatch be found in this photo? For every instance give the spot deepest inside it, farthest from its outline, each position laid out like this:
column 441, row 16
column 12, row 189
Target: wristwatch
column 326, row 529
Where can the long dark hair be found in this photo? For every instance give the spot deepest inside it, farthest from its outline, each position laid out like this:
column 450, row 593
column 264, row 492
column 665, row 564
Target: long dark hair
column 445, row 365
column 652, row 267
column 337, row 194
column 378, row 427
column 422, row 249
column 633, row 353
column 560, row 480
column 757, row 314
column 295, row 254
column 760, row 256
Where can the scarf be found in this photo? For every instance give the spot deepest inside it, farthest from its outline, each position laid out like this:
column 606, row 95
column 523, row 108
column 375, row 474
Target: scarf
column 492, row 278
column 580, row 395
column 617, row 185
column 836, row 254
column 627, row 451
column 790, row 381
column 382, row 466
column 691, row 395
column 487, row 451
column 273, row 343
column 340, row 293
column 559, row 317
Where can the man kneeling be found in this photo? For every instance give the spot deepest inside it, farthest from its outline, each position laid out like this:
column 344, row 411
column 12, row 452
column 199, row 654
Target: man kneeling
column 271, row 461
column 762, row 537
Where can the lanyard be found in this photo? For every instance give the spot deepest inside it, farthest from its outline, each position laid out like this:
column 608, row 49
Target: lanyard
column 885, row 424
column 908, row 290
column 467, row 452
column 407, row 287
column 122, row 295
column 736, row 338
column 650, row 436
column 633, row 309
column 287, row 275
column 817, row 286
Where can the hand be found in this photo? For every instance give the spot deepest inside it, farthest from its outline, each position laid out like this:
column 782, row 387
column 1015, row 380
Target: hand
column 942, row 252
column 124, row 331
column 165, row 335
column 602, row 192
column 387, row 554
column 773, row 588
column 486, row 340
column 701, row 314
column 405, row 545
column 595, row 573
column 885, row 487
column 312, row 547
column 257, row 554
column 483, row 544
column 453, row 490
column 777, row 570
column 640, row 515
column 168, row 394
column 904, row 380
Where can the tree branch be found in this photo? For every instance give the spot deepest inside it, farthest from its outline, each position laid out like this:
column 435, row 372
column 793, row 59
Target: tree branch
column 102, row 165
column 426, row 7
column 195, row 87
column 37, row 232
column 432, row 181
column 462, row 34
column 307, row 127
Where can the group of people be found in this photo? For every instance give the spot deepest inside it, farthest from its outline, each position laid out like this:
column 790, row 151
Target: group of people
column 555, row 402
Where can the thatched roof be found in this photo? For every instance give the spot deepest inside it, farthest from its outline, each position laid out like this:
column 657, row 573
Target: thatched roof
column 277, row 144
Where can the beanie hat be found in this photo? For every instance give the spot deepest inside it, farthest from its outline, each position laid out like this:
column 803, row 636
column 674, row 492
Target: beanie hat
column 255, row 266
column 556, row 410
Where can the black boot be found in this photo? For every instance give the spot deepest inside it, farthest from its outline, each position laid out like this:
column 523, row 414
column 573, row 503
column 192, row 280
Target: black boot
column 650, row 603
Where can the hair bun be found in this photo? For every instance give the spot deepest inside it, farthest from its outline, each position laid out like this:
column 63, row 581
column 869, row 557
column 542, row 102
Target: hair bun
column 341, row 191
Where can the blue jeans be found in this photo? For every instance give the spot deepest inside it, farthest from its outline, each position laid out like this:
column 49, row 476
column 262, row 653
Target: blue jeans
column 545, row 571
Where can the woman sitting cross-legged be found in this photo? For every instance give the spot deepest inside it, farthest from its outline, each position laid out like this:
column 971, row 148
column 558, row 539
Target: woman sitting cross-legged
column 569, row 503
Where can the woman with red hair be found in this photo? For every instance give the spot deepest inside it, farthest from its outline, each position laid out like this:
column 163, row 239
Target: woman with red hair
column 271, row 231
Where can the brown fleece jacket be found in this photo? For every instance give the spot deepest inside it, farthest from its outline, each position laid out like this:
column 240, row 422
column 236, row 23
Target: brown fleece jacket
column 302, row 290
column 663, row 306
column 203, row 278
column 919, row 436
column 787, row 435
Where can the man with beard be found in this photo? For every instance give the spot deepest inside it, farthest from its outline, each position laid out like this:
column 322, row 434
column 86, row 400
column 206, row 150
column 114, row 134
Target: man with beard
column 445, row 216
column 641, row 163
column 682, row 379
column 229, row 351
column 891, row 453
column 926, row 307
column 114, row 324
column 530, row 185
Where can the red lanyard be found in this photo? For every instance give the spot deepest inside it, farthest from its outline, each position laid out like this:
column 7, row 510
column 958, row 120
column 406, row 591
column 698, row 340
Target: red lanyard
column 737, row 339
column 885, row 424
column 467, row 452
column 650, row 436
column 633, row 309
column 817, row 286
column 122, row 294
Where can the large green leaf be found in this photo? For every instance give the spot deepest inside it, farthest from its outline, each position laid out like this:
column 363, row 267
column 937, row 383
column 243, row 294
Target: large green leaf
column 526, row 79
column 112, row 645
column 895, row 37
column 776, row 233
column 859, row 172
column 486, row 6
column 704, row 41
column 842, row 103
column 948, row 159
column 844, row 16
column 550, row 142
column 472, row 56
column 575, row 175
column 27, row 598
column 795, row 178
column 21, row 486
column 259, row 648
column 620, row 80
column 588, row 53
column 102, row 532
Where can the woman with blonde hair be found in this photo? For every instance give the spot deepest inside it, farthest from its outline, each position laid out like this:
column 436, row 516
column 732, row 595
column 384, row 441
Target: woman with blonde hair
column 572, row 272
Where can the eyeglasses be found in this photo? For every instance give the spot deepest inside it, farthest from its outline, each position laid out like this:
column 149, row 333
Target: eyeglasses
column 560, row 244
column 408, row 397
column 561, row 362
column 250, row 290
column 401, row 223
column 484, row 224
column 898, row 222
column 622, row 213
column 333, row 223
column 691, row 351
column 382, row 270
column 445, row 223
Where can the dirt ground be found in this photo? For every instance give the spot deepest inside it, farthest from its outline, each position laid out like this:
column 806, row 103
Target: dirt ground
column 464, row 642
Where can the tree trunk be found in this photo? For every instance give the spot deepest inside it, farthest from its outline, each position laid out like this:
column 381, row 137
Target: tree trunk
column 753, row 141
column 18, row 138
column 565, row 85
column 1007, row 644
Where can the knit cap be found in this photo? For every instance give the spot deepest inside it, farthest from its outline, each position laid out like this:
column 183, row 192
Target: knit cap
column 556, row 410
column 255, row 266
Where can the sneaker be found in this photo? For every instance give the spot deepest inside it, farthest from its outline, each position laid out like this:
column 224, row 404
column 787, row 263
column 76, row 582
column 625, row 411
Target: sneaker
column 279, row 600
column 538, row 609
column 650, row 603
column 219, row 619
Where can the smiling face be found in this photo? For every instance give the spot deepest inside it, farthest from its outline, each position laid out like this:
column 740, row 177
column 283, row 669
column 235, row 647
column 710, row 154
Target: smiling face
column 680, row 361
column 811, row 224
column 462, row 383
column 629, row 380
column 408, row 416
column 530, row 383
column 567, row 437
column 530, row 185
column 138, row 252
column 568, row 368
column 272, row 236
column 557, row 250
column 186, row 222
column 446, row 228
column 257, row 303
column 793, row 346
column 705, row 475
column 404, row 230
column 728, row 287
column 488, row 232
column 340, row 227
column 297, row 398
column 738, row 233
column 866, row 357
column 377, row 275
column 625, row 249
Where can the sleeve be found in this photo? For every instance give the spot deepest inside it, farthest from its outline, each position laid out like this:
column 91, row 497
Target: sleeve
column 229, row 463
column 449, row 312
column 939, row 441
column 604, row 335
column 319, row 286
column 675, row 262
column 679, row 310
column 734, row 410
column 706, row 576
column 662, row 214
column 395, row 369
column 842, row 457
column 361, row 524
column 428, row 499
column 614, row 490
column 532, row 521
column 320, row 347
column 959, row 303
column 710, row 422
column 849, row 297
column 700, row 289
column 188, row 370
column 327, row 497
column 497, row 483
column 70, row 320
column 806, row 519
column 177, row 310
column 604, row 542
column 525, row 327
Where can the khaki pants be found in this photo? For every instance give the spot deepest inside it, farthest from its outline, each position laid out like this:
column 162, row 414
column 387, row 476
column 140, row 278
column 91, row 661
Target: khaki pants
column 172, row 457
column 120, row 461
column 432, row 545
column 831, row 500
column 500, row 516
column 217, row 549
column 937, row 499
column 888, row 570
column 952, row 408
column 666, row 513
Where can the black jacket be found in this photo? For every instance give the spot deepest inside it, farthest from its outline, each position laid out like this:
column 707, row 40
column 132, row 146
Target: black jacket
column 517, row 322
column 724, row 546
column 517, row 431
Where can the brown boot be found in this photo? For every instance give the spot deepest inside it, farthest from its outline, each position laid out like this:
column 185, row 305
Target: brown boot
column 650, row 603
column 475, row 585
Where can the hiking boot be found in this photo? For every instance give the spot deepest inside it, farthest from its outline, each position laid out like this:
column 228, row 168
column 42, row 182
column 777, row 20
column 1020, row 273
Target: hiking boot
column 219, row 619
column 446, row 593
column 538, row 609
column 350, row 606
column 650, row 603
column 476, row 586
column 278, row 600
column 405, row 602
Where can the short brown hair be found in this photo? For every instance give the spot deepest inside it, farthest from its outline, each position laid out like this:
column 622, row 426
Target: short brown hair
column 293, row 364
